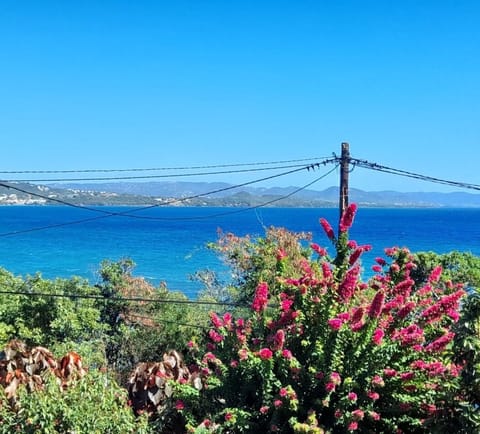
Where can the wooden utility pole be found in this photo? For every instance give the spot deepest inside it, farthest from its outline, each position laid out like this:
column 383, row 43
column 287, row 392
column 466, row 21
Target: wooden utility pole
column 344, row 170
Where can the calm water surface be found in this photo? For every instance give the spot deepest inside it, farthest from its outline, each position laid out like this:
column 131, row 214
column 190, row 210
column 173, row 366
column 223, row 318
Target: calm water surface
column 169, row 244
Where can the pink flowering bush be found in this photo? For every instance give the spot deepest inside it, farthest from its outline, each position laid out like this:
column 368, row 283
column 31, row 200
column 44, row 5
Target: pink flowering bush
column 321, row 350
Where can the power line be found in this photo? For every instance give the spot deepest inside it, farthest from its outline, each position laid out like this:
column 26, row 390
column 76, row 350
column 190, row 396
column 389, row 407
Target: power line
column 128, row 214
column 262, row 205
column 380, row 168
column 120, row 299
column 175, row 175
column 166, row 321
column 152, row 169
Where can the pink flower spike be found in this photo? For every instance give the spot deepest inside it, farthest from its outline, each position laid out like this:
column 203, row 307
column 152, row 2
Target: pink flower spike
column 389, row 372
column 286, row 304
column 440, row 343
column 352, row 396
column 358, row 414
column 346, row 289
column 352, row 244
column 335, row 323
column 265, row 354
column 227, row 318
column 377, row 337
column 405, row 310
column 356, row 327
column 264, row 409
column 279, row 339
column 347, row 218
column 327, row 228
column 377, row 305
column 357, row 315
column 335, row 378
column 243, row 354
column 320, row 251
column 261, row 297
column 435, row 274
column 215, row 336
column 216, row 321
column 329, row 387
column 378, row 381
column 355, row 255
column 326, row 270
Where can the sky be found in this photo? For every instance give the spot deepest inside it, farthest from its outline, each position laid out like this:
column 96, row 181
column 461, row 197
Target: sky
column 123, row 84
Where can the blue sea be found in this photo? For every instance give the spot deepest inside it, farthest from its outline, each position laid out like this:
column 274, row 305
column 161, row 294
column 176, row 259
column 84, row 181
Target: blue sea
column 168, row 244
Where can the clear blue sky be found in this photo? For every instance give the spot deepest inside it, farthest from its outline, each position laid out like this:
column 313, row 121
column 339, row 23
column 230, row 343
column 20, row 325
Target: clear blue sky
column 118, row 84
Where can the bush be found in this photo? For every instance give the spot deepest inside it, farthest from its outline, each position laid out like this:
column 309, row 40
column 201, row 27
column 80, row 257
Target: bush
column 95, row 404
column 321, row 350
column 39, row 394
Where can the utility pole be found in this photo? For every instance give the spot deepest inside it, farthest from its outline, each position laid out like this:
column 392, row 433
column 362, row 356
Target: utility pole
column 344, row 170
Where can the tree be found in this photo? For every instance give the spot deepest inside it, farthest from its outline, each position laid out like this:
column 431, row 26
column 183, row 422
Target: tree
column 49, row 313
column 144, row 321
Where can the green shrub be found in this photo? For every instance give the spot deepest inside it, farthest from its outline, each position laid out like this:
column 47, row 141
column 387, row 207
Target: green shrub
column 94, row 404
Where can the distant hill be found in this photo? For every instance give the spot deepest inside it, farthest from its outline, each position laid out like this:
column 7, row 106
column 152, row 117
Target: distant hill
column 219, row 194
column 223, row 194
column 21, row 193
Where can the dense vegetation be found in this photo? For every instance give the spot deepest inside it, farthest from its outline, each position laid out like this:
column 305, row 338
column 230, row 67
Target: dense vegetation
column 296, row 342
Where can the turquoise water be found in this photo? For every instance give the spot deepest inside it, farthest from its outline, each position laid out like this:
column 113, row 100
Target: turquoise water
column 169, row 244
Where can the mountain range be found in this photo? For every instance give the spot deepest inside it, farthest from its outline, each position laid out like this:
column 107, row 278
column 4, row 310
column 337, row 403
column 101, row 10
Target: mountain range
column 224, row 194
column 218, row 194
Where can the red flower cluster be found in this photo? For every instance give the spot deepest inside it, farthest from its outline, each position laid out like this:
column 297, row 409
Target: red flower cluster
column 440, row 343
column 347, row 288
column 261, row 297
column 377, row 305
column 410, row 335
column 327, row 228
column 346, row 220
column 446, row 305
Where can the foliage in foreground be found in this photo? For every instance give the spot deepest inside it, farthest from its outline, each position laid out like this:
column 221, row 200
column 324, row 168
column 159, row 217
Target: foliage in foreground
column 323, row 351
column 41, row 394
column 94, row 404
column 318, row 350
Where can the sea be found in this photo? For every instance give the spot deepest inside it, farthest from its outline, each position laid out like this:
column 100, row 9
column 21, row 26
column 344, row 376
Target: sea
column 170, row 244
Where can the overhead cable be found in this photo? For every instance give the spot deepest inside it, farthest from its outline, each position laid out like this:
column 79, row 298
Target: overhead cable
column 170, row 175
column 262, row 205
column 119, row 299
column 380, row 168
column 153, row 169
column 129, row 213
column 159, row 321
